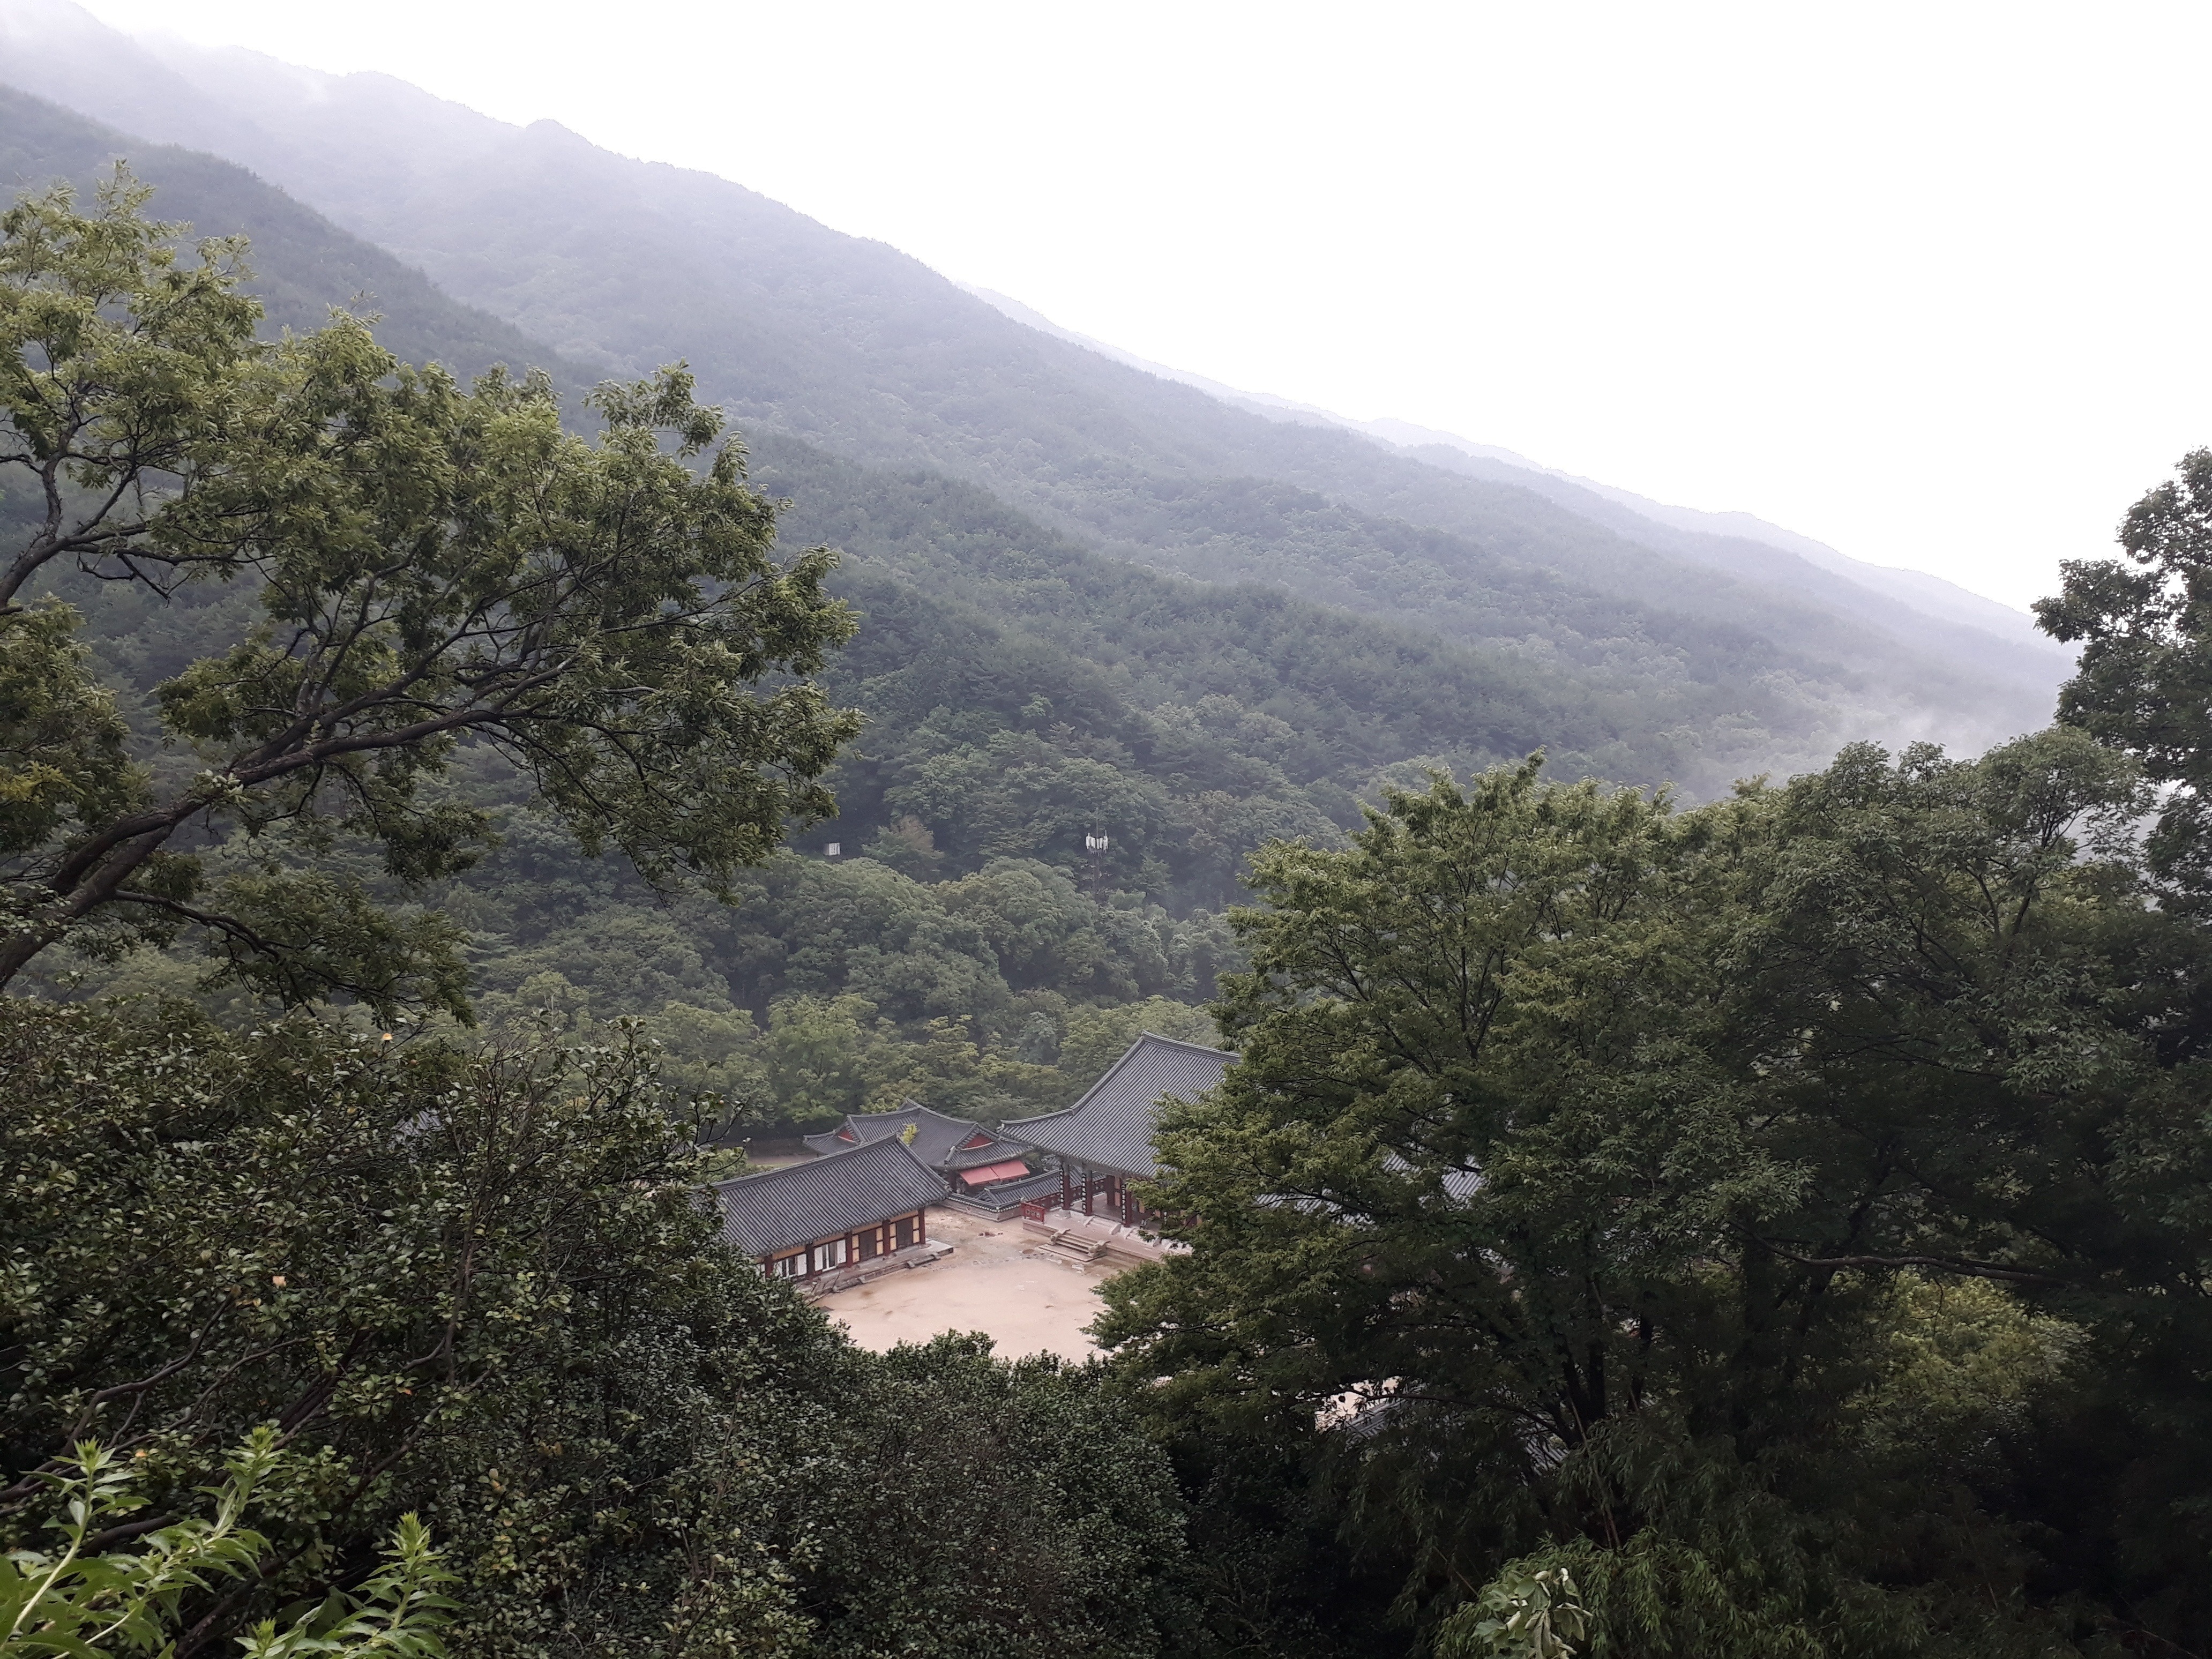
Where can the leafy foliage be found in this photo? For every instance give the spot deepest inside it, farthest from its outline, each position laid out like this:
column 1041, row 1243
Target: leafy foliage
column 2144, row 679
column 1520, row 1615
column 72, row 1603
column 429, row 564
column 64, row 764
column 1011, row 1512
column 416, row 1270
column 1579, row 1195
column 486, row 1289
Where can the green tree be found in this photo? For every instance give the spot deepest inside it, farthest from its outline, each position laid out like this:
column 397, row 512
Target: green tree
column 486, row 1289
column 125, row 367
column 1522, row 1615
column 432, row 566
column 1563, row 1207
column 2144, row 683
column 819, row 1056
column 1007, row 1508
column 483, row 1288
column 1096, row 1037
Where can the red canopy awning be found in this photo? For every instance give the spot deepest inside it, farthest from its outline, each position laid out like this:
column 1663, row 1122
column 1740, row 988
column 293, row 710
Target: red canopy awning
column 991, row 1172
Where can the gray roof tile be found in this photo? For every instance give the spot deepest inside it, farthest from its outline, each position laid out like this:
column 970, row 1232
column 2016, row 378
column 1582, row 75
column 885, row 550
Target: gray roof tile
column 938, row 1139
column 825, row 1197
column 1111, row 1127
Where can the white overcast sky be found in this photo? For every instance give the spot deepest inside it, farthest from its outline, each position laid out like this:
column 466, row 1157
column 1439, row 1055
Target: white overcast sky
column 1925, row 281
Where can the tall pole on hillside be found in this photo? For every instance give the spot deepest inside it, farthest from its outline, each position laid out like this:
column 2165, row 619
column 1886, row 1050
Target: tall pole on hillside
column 1096, row 846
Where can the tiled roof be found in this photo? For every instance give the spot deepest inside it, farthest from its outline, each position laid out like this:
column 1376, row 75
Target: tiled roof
column 1005, row 1194
column 1013, row 1170
column 997, row 1150
column 825, row 1196
column 1111, row 1127
column 938, row 1141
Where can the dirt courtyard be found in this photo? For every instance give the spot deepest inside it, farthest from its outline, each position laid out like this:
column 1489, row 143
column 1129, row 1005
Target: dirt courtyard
column 1024, row 1305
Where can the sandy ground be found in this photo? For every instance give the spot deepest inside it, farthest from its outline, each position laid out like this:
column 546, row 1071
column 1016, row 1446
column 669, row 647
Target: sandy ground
column 1024, row 1303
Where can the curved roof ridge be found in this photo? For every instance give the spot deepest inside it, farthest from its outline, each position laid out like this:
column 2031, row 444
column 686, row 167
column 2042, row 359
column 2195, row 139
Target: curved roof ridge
column 1110, row 1127
column 1107, row 1076
column 934, row 1137
column 911, row 1109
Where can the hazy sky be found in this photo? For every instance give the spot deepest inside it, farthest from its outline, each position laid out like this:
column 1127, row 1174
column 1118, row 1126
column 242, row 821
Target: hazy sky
column 1925, row 281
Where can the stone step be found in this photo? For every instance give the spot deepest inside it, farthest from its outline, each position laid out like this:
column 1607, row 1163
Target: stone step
column 1076, row 1252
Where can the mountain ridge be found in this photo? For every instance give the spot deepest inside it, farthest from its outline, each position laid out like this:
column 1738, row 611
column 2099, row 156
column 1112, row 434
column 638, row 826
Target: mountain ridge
column 953, row 541
column 849, row 344
column 1935, row 595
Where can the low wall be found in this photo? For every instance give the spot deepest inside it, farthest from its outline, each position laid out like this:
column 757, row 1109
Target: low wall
column 860, row 1273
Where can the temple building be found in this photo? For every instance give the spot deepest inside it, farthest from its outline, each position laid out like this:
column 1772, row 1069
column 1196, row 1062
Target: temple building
column 1105, row 1141
column 833, row 1214
column 970, row 1157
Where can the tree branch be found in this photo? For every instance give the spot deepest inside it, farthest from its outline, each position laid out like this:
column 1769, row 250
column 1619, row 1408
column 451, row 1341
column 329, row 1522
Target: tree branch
column 1942, row 1263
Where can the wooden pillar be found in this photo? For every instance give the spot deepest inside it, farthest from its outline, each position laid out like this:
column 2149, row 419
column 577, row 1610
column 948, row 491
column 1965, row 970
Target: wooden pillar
column 1090, row 1181
column 921, row 1226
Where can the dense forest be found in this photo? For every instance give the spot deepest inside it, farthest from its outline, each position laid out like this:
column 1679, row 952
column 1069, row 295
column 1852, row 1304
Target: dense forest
column 1021, row 690
column 1023, row 687
column 1765, row 1221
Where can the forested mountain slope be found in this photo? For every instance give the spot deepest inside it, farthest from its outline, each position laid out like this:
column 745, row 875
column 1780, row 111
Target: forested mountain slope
column 1702, row 535
column 1728, row 540
column 303, row 264
column 1753, row 658
column 1777, row 1227
column 938, row 561
column 1023, row 690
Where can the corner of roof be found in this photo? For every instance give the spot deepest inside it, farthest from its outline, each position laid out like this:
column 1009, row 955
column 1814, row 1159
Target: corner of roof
column 1107, row 1076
